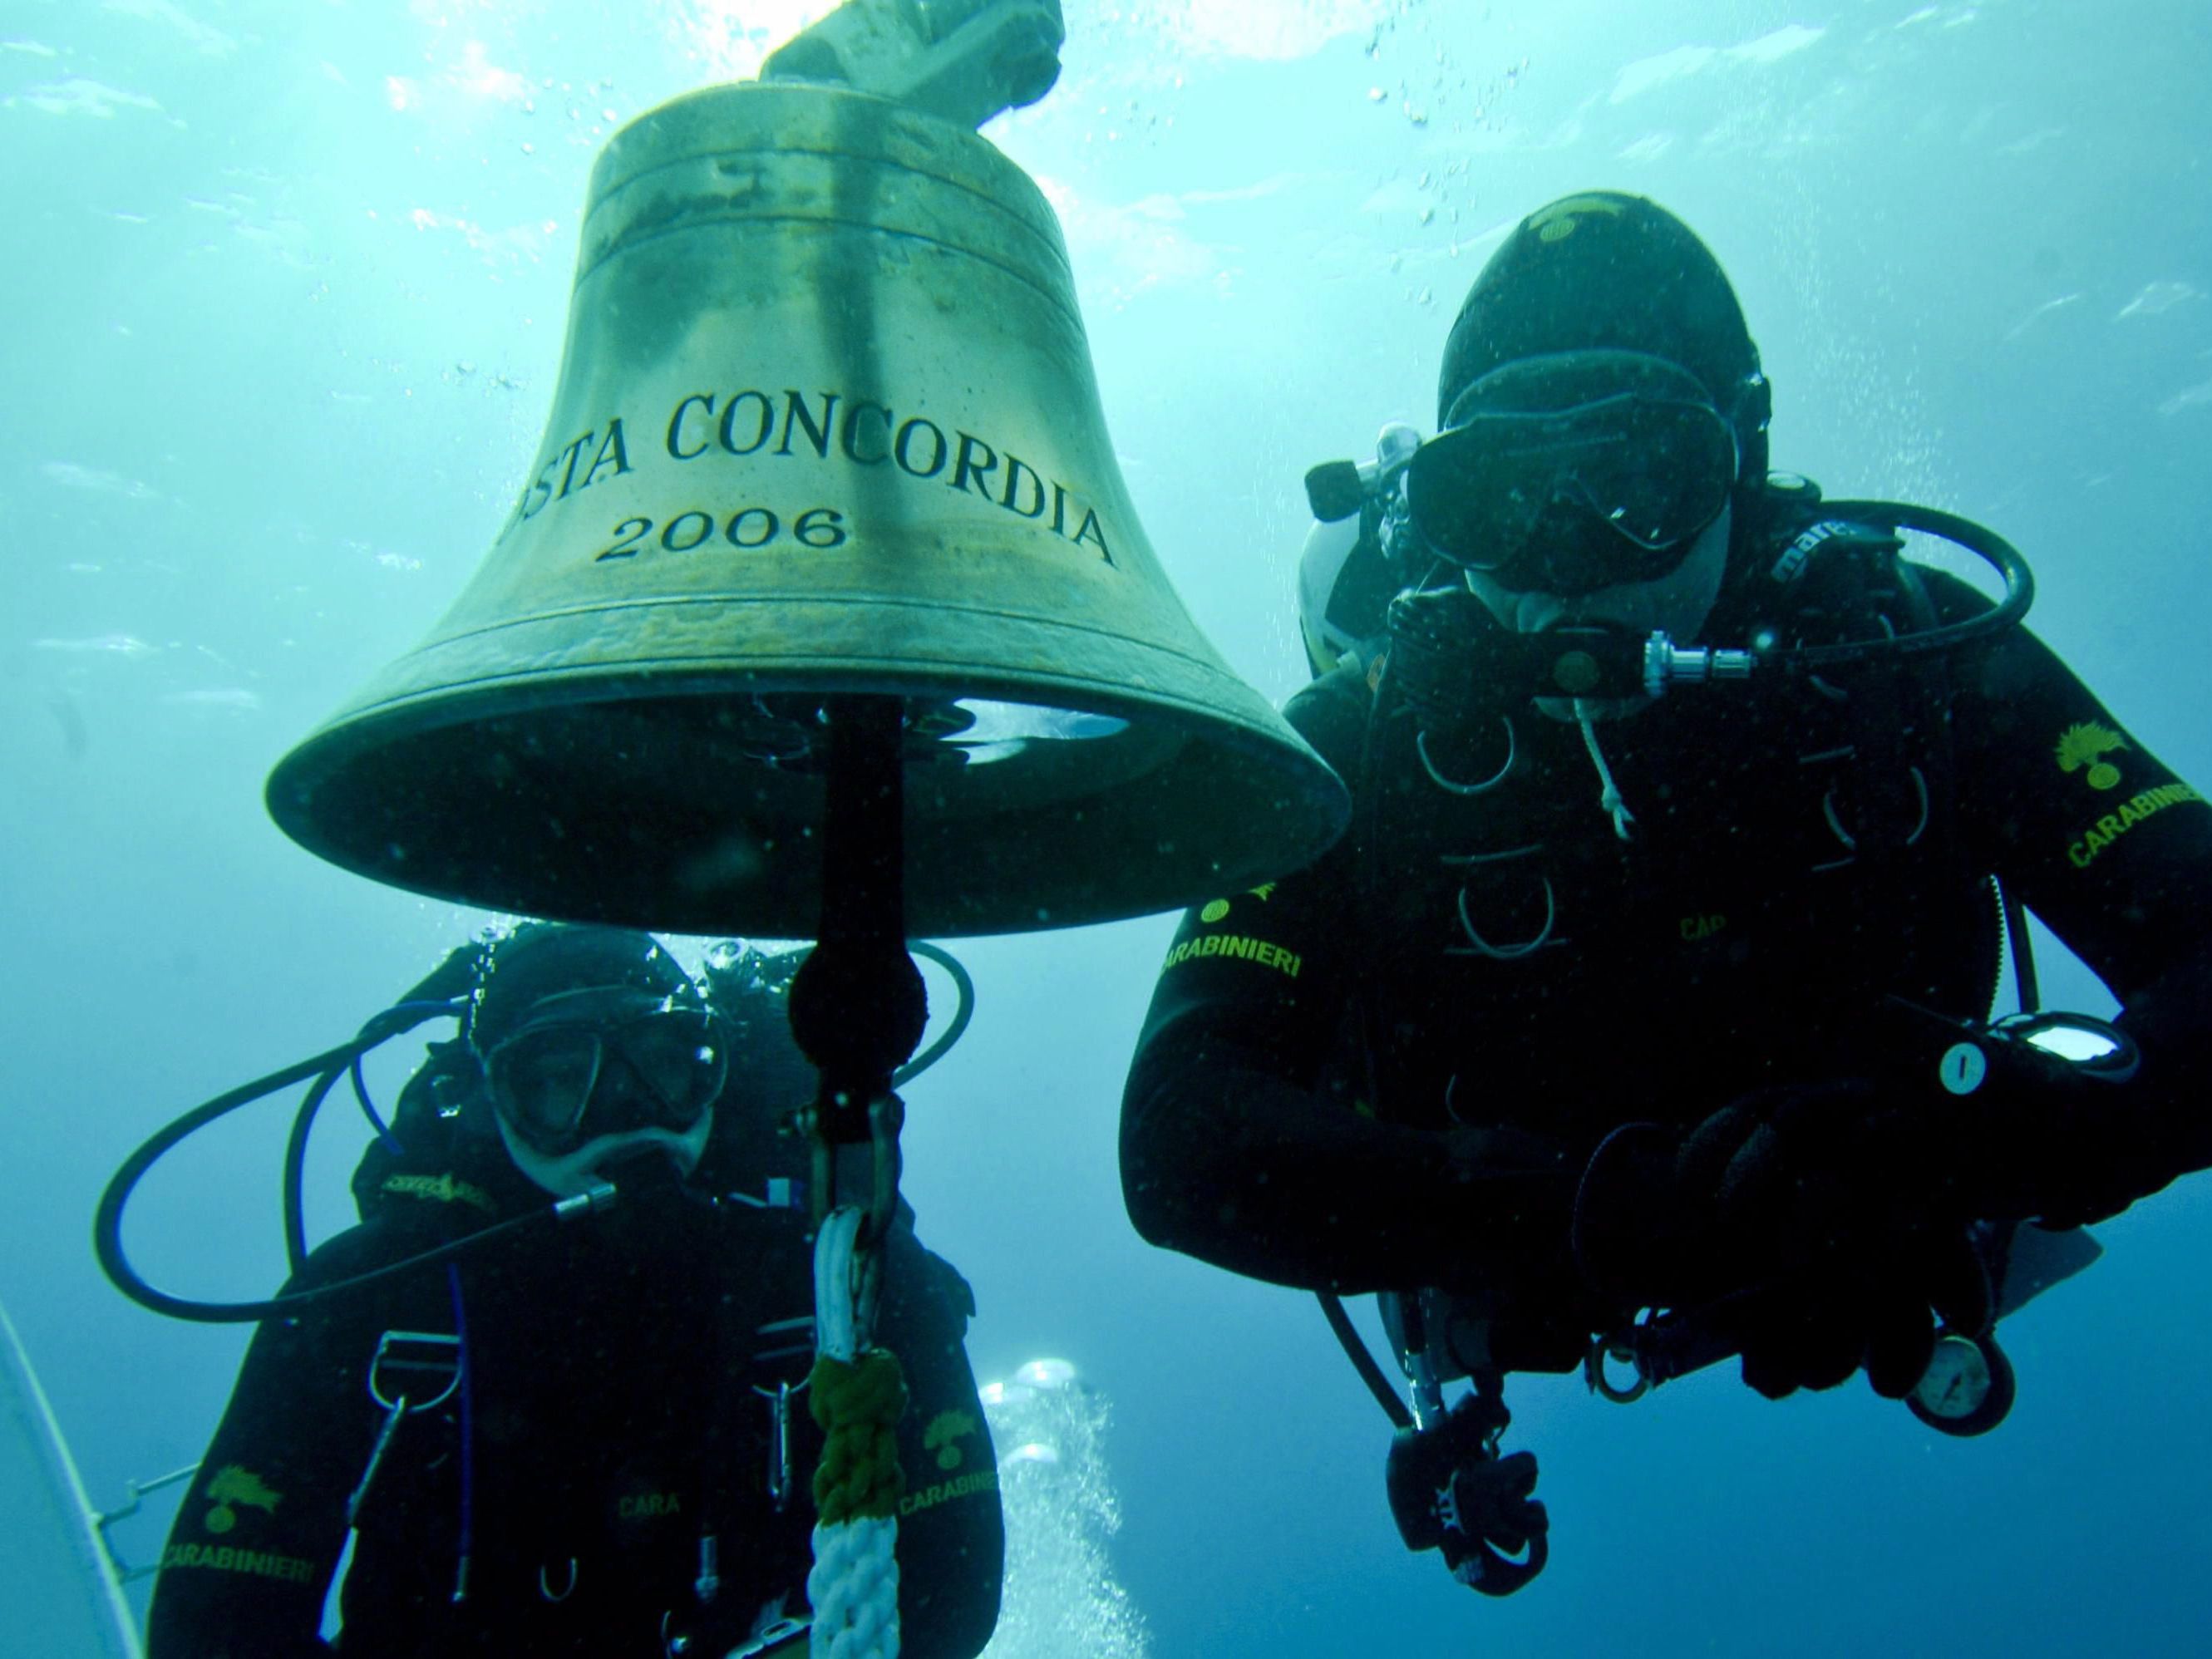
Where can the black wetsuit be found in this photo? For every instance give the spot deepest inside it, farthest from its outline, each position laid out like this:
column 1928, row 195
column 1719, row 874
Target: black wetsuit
column 610, row 1420
column 1388, row 1070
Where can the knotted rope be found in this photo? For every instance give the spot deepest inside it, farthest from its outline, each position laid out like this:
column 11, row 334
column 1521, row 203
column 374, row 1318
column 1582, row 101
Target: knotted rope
column 857, row 1394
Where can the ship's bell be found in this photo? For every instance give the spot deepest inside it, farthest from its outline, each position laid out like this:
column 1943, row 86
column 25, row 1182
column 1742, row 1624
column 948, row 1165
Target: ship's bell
column 826, row 424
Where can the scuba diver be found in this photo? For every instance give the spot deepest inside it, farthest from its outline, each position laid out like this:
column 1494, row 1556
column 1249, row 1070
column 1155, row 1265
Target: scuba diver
column 1643, row 1015
column 579, row 1439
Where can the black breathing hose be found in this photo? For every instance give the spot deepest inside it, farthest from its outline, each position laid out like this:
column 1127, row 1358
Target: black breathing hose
column 1363, row 1361
column 395, row 1021
column 963, row 1012
column 296, row 1165
column 1985, row 543
column 325, row 1068
column 108, row 1220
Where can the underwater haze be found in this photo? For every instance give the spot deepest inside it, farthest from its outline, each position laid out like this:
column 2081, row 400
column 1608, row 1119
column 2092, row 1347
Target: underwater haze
column 286, row 283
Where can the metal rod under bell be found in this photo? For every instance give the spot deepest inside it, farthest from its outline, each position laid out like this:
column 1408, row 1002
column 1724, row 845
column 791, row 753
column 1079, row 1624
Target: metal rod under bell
column 858, row 1006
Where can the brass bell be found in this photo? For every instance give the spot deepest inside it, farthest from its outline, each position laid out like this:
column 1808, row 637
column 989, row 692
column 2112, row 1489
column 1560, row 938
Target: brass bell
column 826, row 424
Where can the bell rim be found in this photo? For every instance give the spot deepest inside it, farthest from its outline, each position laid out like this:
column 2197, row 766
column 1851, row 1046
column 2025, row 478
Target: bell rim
column 537, row 686
column 1299, row 776
column 538, row 691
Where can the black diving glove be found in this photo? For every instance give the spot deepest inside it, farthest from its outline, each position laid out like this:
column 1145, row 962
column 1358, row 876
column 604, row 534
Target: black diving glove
column 1778, row 1229
column 1444, row 643
column 2038, row 1136
column 1874, row 1306
column 1771, row 1185
column 1855, row 1193
column 1979, row 1125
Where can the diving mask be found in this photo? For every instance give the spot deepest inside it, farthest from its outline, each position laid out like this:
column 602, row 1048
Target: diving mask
column 609, row 1061
column 1573, row 471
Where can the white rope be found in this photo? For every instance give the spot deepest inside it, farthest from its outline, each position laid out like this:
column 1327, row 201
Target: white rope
column 1623, row 819
column 836, row 1309
column 854, row 1588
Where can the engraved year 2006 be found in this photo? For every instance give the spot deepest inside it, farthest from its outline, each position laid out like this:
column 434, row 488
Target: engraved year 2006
column 747, row 529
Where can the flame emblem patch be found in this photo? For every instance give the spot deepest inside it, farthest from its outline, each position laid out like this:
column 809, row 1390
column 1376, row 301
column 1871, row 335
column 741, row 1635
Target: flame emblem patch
column 2085, row 746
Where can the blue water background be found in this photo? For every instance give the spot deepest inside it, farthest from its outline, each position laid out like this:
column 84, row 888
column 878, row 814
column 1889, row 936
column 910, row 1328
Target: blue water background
column 285, row 283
